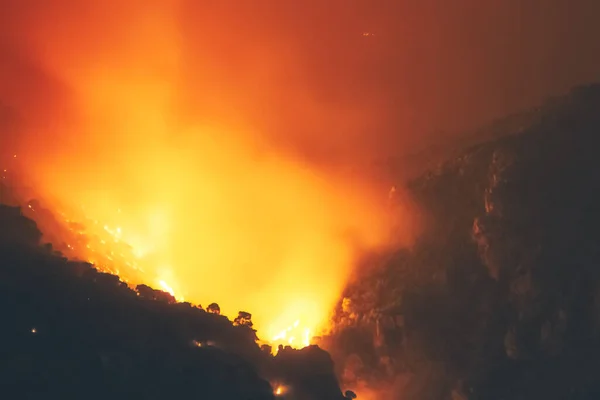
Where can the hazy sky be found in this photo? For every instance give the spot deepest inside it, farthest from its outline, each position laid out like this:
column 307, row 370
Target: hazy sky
column 431, row 66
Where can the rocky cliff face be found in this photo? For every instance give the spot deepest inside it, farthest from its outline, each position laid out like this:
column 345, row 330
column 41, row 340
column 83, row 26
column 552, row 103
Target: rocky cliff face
column 499, row 298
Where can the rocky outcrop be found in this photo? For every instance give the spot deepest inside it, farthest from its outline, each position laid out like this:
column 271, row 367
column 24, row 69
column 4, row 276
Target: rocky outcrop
column 498, row 298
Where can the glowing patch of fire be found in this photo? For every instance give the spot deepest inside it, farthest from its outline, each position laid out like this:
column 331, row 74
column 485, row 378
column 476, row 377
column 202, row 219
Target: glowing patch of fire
column 296, row 335
column 279, row 390
column 293, row 335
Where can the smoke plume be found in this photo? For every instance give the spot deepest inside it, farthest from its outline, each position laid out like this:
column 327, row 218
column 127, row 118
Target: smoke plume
column 197, row 134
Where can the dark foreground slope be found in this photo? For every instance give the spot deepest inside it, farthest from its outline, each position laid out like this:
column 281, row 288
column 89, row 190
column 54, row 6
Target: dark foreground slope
column 500, row 297
column 70, row 332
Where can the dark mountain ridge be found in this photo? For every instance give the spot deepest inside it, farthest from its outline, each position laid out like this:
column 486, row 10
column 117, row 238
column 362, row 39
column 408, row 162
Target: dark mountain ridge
column 414, row 164
column 500, row 296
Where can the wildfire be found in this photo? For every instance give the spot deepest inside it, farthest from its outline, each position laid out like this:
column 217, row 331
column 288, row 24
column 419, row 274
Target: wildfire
column 131, row 256
column 164, row 286
column 122, row 259
column 279, row 389
column 293, row 335
column 184, row 177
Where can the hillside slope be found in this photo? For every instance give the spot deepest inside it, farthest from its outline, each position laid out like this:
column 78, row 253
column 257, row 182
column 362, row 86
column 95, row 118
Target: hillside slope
column 72, row 332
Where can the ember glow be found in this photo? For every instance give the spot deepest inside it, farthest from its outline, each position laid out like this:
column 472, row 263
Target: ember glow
column 279, row 390
column 160, row 151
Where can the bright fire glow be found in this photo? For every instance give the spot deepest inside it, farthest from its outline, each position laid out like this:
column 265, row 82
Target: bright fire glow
column 164, row 286
column 279, row 390
column 166, row 154
column 295, row 335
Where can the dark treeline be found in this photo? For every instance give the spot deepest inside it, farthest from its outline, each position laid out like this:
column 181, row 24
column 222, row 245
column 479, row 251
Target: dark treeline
column 500, row 296
column 71, row 332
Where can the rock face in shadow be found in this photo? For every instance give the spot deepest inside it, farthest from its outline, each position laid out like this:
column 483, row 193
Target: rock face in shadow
column 500, row 296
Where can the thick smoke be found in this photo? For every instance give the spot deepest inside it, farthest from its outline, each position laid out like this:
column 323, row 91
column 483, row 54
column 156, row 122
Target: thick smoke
column 193, row 130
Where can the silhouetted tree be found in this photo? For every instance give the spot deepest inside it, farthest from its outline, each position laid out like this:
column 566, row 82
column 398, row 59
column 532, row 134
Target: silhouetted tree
column 213, row 308
column 244, row 319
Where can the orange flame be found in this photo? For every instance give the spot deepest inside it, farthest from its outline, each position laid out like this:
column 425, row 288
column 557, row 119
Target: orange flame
column 296, row 335
column 293, row 335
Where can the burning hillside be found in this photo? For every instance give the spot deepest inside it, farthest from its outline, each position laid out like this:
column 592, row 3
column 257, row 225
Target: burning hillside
column 69, row 327
column 108, row 248
column 149, row 153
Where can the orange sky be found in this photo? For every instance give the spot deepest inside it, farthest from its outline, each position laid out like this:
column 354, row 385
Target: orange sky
column 431, row 67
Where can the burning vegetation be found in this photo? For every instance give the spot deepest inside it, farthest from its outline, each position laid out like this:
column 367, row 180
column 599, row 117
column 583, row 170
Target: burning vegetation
column 156, row 170
column 152, row 175
column 107, row 249
column 195, row 243
column 91, row 327
column 470, row 310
